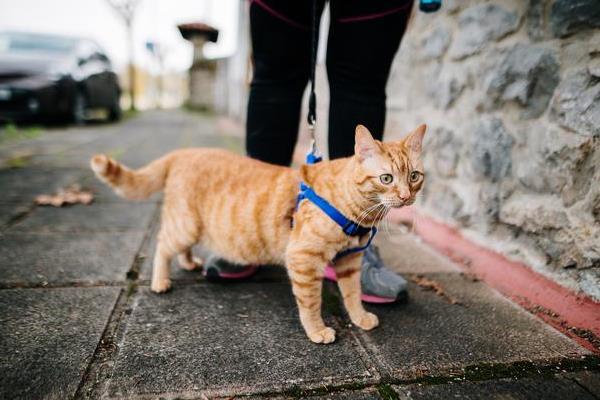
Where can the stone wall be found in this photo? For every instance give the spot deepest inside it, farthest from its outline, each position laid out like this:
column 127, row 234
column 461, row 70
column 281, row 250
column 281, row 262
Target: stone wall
column 510, row 90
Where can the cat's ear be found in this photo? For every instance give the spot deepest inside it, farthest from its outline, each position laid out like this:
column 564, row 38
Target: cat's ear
column 414, row 141
column 364, row 144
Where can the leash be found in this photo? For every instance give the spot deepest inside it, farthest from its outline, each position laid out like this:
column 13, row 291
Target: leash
column 313, row 154
column 349, row 227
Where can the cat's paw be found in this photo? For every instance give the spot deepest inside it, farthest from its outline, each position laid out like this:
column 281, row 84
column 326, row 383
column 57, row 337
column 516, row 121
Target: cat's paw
column 325, row 335
column 196, row 263
column 160, row 285
column 366, row 321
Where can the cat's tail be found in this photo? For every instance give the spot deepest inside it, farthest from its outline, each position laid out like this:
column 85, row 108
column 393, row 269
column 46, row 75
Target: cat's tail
column 133, row 185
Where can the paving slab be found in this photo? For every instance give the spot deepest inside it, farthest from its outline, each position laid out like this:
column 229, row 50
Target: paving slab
column 406, row 254
column 10, row 211
column 590, row 380
column 369, row 394
column 47, row 338
column 24, row 184
column 522, row 389
column 38, row 259
column 429, row 336
column 216, row 340
column 95, row 217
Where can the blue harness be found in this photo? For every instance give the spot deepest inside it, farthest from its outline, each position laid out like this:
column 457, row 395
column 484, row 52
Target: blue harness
column 348, row 226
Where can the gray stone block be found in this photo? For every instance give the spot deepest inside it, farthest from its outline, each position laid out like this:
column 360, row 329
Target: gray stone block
column 535, row 19
column 48, row 337
column 447, row 203
column 444, row 86
column 436, row 43
column 243, row 338
column 526, row 75
column 522, row 389
column 96, row 217
column 491, row 147
column 533, row 213
column 443, row 148
column 58, row 257
column 428, row 336
column 551, row 161
column 577, row 104
column 479, row 25
column 572, row 16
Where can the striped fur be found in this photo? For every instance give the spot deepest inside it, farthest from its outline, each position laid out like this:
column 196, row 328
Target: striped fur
column 242, row 209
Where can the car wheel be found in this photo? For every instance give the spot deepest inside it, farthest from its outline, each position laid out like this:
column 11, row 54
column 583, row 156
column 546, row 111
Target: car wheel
column 114, row 112
column 78, row 112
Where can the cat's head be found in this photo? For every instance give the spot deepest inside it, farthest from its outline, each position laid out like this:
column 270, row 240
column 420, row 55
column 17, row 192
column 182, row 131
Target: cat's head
column 389, row 173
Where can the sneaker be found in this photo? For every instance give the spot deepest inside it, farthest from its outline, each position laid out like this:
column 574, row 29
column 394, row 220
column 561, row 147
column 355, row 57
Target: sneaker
column 379, row 284
column 218, row 269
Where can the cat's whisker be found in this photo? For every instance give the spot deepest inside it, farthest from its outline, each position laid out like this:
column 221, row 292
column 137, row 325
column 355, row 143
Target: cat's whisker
column 381, row 212
column 365, row 214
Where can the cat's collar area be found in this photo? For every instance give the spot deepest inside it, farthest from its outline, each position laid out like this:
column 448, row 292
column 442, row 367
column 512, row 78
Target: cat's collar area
column 348, row 226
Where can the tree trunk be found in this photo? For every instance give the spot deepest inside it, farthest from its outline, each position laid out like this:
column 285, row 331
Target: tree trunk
column 131, row 67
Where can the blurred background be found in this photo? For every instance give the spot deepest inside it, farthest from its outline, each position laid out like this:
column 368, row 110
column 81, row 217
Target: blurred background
column 510, row 90
column 138, row 35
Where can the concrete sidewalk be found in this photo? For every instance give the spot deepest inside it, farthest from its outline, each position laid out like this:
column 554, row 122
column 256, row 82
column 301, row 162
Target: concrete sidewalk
column 77, row 319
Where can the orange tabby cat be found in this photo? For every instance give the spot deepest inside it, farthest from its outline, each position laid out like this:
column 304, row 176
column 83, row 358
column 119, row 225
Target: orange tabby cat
column 242, row 209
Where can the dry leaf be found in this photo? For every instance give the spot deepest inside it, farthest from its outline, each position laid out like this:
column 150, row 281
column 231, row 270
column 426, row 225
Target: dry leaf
column 436, row 287
column 70, row 195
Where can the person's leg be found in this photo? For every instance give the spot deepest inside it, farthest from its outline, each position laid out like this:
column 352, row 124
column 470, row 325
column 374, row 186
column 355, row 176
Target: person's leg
column 281, row 47
column 363, row 39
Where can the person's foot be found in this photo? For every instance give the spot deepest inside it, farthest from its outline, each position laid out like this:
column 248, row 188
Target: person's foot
column 379, row 284
column 218, row 269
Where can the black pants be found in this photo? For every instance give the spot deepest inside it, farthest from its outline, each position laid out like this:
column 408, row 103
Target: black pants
column 364, row 36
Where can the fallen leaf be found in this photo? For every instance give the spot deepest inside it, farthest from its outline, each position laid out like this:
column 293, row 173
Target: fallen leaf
column 70, row 195
column 436, row 287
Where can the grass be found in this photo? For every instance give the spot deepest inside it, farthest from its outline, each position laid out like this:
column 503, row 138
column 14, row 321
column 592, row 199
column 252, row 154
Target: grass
column 115, row 154
column 17, row 162
column 205, row 111
column 12, row 133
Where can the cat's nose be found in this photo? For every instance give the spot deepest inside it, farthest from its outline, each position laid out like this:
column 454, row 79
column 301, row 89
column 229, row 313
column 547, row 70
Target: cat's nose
column 404, row 195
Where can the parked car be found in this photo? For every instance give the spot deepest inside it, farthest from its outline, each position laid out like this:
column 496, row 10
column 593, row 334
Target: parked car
column 53, row 77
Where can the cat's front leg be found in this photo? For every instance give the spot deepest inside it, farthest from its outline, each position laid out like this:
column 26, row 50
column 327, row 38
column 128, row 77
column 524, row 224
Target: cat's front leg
column 305, row 268
column 347, row 271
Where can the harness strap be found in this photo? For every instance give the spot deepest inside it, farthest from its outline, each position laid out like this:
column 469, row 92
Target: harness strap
column 348, row 226
column 359, row 249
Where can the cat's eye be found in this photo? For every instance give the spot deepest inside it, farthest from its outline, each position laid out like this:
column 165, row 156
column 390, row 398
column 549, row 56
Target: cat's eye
column 386, row 179
column 414, row 176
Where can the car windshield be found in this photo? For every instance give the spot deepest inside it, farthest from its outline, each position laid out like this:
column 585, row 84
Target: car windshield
column 31, row 42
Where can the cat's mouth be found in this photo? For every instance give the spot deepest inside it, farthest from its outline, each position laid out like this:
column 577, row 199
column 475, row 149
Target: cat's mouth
column 400, row 203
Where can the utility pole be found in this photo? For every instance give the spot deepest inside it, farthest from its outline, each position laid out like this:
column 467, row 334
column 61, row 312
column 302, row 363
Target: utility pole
column 126, row 10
